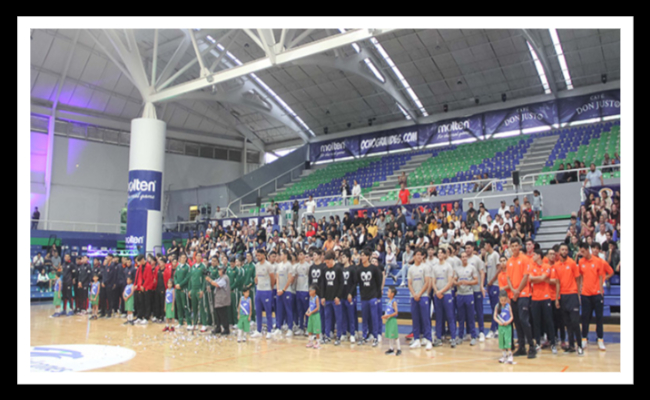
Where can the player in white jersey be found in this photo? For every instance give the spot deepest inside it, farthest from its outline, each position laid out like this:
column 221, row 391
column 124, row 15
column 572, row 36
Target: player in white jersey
column 302, row 290
column 479, row 290
column 284, row 274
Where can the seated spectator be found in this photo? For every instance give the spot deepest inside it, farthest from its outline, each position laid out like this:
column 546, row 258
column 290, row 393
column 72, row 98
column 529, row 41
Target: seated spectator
column 432, row 191
column 391, row 263
column 613, row 255
column 607, row 161
column 43, row 281
column 574, row 248
column 582, row 174
column 601, row 236
column 560, row 176
column 519, row 233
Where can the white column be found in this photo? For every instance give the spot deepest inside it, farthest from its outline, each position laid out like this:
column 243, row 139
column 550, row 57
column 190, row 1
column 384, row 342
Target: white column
column 51, row 123
column 146, row 167
column 244, row 157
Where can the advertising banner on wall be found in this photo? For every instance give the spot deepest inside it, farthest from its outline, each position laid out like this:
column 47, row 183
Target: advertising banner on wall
column 538, row 114
column 334, row 149
column 478, row 126
column 590, row 106
column 393, row 139
column 462, row 128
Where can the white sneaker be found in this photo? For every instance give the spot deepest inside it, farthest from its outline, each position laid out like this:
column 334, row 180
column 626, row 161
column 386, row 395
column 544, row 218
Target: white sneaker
column 601, row 345
column 144, row 322
column 481, row 337
column 268, row 335
column 275, row 332
column 299, row 332
column 467, row 337
column 584, row 343
column 510, row 360
column 189, row 327
column 402, row 285
column 352, row 339
column 177, row 326
column 490, row 335
column 379, row 339
column 429, row 345
column 289, row 334
column 415, row 344
column 256, row 334
column 203, row 329
column 502, row 360
column 154, row 319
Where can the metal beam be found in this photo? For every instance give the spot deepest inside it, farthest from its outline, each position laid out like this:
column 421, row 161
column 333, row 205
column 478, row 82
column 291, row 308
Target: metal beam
column 64, row 74
column 300, row 37
column 154, row 60
column 528, row 34
column 216, row 63
column 132, row 64
column 237, row 97
column 176, row 58
column 255, row 39
column 125, row 126
column 115, row 61
column 269, row 42
column 166, row 47
column 248, row 134
column 138, row 64
column 265, row 63
column 199, row 56
column 354, row 64
column 187, row 66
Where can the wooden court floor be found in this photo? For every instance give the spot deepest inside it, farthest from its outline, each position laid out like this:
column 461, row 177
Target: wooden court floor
column 181, row 352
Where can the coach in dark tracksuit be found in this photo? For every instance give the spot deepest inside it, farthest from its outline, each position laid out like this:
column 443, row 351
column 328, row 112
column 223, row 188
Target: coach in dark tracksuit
column 114, row 291
column 84, row 276
column 68, row 276
column 107, row 280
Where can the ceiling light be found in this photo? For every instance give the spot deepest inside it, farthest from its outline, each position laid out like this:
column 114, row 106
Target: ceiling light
column 399, row 75
column 540, row 69
column 560, row 58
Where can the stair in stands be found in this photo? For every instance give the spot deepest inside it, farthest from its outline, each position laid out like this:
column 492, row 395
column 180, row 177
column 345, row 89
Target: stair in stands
column 551, row 233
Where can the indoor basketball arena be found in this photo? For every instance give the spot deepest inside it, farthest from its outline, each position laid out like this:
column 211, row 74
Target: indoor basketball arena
column 381, row 196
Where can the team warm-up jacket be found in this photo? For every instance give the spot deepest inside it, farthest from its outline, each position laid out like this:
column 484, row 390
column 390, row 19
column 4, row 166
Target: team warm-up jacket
column 369, row 279
column 168, row 274
column 69, row 273
column 139, row 277
column 84, row 274
column 182, row 275
column 149, row 277
column 349, row 281
column 332, row 285
column 316, row 277
column 129, row 272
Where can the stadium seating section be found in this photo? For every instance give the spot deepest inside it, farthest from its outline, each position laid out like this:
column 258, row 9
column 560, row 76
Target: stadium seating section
column 586, row 144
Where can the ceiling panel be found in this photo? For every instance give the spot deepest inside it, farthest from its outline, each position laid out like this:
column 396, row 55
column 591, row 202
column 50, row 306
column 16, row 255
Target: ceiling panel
column 78, row 62
column 44, row 86
column 98, row 101
column 39, row 47
column 93, row 70
column 56, row 57
column 115, row 106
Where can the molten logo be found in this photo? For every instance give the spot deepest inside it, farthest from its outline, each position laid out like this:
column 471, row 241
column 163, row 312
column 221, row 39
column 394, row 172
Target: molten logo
column 134, row 240
column 143, row 186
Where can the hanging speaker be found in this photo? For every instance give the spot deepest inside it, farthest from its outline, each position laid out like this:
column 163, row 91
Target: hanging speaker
column 515, row 178
column 307, row 165
column 258, row 202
